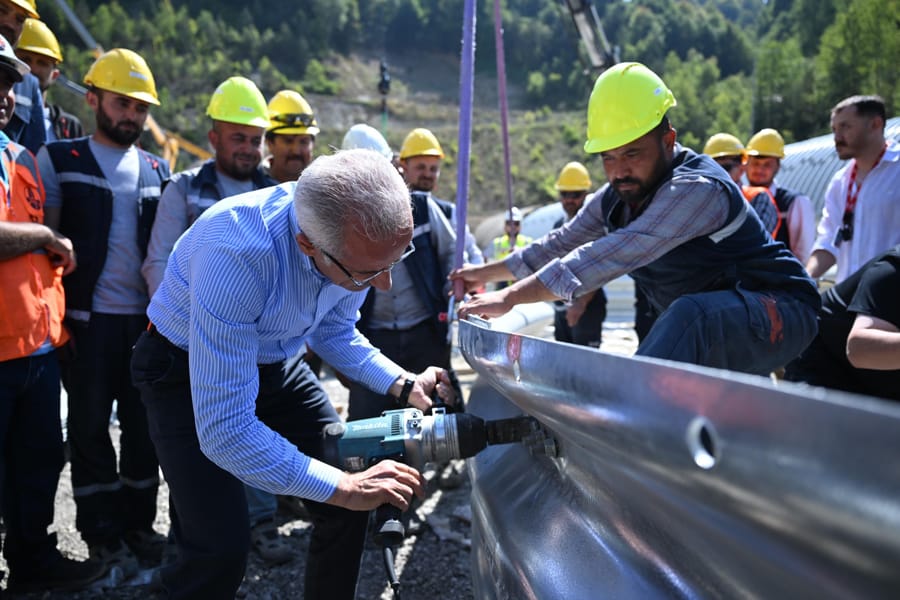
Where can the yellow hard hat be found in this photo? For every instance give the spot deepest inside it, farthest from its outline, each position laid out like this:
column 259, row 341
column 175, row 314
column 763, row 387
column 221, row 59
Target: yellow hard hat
column 28, row 6
column 238, row 100
column 574, row 177
column 766, row 142
column 628, row 101
column 291, row 114
column 37, row 38
column 421, row 142
column 723, row 144
column 124, row 72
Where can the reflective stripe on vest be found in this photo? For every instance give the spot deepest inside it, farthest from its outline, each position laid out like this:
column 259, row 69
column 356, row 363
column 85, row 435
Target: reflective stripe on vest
column 31, row 297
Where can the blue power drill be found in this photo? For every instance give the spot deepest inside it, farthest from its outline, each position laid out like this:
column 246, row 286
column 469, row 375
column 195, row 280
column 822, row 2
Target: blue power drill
column 407, row 435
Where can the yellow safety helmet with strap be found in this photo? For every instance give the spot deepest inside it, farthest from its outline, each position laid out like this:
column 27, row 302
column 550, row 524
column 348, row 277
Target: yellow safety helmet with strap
column 291, row 114
column 124, row 72
column 723, row 144
column 574, row 177
column 37, row 38
column 421, row 142
column 28, row 6
column 238, row 100
column 766, row 142
column 627, row 102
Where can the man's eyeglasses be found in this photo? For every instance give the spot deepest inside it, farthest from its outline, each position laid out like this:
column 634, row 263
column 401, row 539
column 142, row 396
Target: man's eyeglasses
column 362, row 282
column 571, row 195
column 294, row 119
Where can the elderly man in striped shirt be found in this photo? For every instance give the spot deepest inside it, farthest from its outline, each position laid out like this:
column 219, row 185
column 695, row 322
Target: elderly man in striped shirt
column 228, row 397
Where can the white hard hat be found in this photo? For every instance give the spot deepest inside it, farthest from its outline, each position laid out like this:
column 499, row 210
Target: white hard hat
column 9, row 60
column 514, row 214
column 368, row 138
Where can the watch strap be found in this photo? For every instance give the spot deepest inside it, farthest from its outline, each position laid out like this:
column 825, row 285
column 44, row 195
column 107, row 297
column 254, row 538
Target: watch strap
column 403, row 398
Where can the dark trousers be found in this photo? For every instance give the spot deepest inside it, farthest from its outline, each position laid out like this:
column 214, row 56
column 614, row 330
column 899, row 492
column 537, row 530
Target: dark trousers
column 209, row 519
column 588, row 331
column 31, row 459
column 112, row 496
column 415, row 349
column 738, row 330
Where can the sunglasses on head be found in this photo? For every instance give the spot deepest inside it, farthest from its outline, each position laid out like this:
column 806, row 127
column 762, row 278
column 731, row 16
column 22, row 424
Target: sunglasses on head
column 294, row 119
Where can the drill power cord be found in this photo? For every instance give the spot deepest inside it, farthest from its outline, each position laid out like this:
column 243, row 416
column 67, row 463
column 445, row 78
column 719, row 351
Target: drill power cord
column 388, row 555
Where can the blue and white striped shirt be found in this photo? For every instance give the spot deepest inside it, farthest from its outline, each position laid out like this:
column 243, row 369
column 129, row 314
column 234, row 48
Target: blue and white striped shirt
column 237, row 293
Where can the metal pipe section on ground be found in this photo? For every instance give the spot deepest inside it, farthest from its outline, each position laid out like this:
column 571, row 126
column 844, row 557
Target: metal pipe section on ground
column 674, row 481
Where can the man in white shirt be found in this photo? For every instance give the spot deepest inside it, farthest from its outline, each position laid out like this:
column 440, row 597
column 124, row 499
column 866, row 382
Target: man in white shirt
column 861, row 217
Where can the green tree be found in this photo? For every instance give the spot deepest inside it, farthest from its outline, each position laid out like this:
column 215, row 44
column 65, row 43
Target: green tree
column 859, row 53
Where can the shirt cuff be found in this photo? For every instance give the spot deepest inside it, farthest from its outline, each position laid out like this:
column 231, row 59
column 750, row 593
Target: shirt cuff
column 319, row 482
column 559, row 279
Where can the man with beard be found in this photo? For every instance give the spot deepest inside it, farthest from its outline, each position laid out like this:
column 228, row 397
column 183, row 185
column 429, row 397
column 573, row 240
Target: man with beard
column 420, row 165
column 26, row 125
column 859, row 221
column 727, row 295
column 239, row 120
column 291, row 135
column 40, row 50
column 102, row 193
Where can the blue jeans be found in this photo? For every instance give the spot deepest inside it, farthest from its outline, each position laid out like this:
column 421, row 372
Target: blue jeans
column 31, row 460
column 112, row 496
column 739, row 330
column 209, row 520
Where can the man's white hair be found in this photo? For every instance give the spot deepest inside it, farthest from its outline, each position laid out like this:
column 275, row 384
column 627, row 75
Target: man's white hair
column 358, row 187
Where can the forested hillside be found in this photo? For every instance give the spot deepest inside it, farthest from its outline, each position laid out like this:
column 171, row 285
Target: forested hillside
column 734, row 65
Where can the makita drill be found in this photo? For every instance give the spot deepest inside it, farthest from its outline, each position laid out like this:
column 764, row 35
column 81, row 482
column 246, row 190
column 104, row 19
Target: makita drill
column 407, row 435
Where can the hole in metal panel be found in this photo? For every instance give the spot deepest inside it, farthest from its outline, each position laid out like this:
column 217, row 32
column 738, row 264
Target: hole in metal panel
column 703, row 442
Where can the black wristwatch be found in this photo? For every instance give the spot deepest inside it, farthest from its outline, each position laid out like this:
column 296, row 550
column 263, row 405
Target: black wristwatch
column 403, row 398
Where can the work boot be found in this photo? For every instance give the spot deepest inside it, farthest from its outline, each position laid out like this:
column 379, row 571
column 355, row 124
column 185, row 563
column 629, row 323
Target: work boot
column 269, row 544
column 61, row 575
column 114, row 555
column 148, row 546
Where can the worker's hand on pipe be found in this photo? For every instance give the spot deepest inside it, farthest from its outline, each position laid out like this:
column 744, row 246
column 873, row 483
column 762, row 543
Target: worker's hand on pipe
column 386, row 482
column 469, row 275
column 490, row 304
column 476, row 276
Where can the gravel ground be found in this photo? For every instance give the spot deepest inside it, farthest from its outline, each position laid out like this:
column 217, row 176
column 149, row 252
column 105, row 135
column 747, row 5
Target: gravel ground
column 433, row 563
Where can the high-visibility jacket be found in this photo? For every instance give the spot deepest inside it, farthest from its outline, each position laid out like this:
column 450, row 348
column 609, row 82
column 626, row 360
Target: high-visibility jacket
column 502, row 248
column 32, row 302
column 762, row 201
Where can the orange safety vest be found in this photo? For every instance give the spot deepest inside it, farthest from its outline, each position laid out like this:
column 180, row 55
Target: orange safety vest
column 32, row 302
column 752, row 191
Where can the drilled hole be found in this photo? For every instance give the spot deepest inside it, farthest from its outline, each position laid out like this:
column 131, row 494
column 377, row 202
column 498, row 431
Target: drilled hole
column 703, row 443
